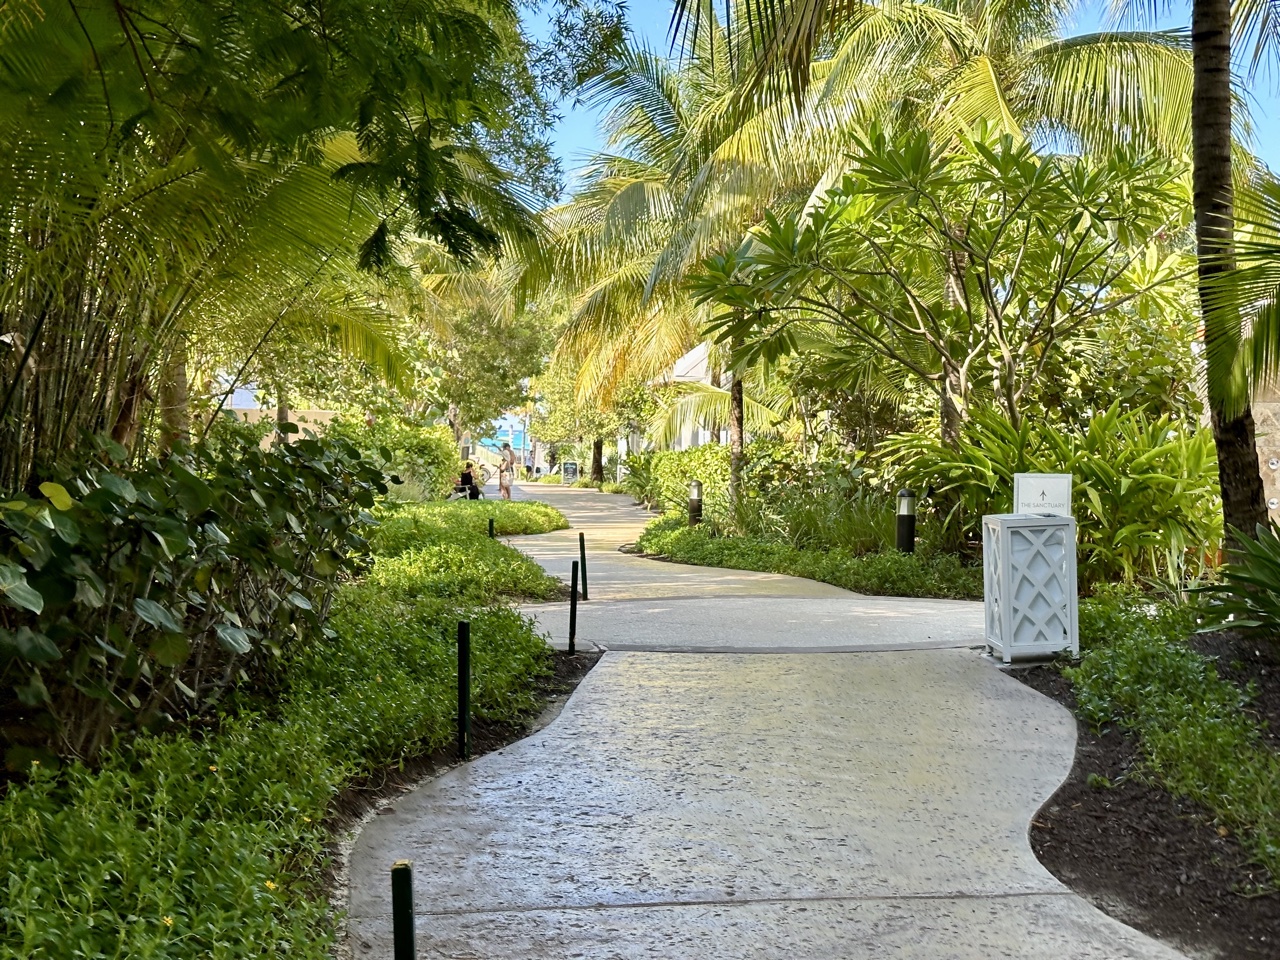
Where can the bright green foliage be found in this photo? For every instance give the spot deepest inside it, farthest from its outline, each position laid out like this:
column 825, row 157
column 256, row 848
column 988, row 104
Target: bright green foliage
column 1196, row 735
column 1248, row 596
column 1145, row 492
column 889, row 574
column 662, row 479
column 402, row 527
column 226, row 166
column 425, row 458
column 963, row 266
column 135, row 597
column 213, row 846
column 610, row 487
column 443, row 550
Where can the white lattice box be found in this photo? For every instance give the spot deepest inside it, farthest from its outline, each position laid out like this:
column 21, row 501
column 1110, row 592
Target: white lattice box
column 1029, row 578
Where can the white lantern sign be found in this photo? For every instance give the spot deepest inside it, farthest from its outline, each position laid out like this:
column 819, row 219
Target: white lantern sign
column 1042, row 494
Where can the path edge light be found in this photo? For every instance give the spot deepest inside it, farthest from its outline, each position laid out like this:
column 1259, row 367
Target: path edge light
column 907, row 520
column 695, row 502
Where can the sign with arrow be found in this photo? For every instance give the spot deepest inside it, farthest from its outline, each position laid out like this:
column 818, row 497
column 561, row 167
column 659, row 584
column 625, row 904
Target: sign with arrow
column 1046, row 494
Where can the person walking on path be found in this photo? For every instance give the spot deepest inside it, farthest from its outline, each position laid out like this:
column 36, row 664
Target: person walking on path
column 506, row 471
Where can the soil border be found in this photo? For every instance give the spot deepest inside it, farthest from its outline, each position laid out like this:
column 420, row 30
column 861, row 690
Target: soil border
column 1157, row 862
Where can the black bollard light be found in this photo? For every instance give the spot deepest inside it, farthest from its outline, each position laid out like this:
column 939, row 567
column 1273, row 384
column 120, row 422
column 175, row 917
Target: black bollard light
column 695, row 502
column 491, row 536
column 582, row 558
column 573, row 610
column 907, row 521
column 464, row 690
column 402, row 910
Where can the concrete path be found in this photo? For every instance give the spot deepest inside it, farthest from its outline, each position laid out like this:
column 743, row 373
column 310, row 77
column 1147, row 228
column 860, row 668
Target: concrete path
column 731, row 805
column 640, row 604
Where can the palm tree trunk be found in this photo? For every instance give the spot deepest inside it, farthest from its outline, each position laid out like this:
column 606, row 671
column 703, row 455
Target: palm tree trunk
column 736, row 416
column 174, row 413
column 1243, row 505
column 597, row 460
column 282, row 415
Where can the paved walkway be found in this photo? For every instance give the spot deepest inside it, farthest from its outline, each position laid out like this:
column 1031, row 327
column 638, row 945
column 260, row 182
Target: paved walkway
column 747, row 805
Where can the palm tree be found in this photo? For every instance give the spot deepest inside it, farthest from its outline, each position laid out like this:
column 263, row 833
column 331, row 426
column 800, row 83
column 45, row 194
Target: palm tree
column 1239, row 476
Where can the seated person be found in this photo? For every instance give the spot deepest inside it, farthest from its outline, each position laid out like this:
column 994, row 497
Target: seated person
column 467, row 483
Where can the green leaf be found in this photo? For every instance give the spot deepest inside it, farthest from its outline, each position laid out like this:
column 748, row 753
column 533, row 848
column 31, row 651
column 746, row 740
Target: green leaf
column 171, row 649
column 156, row 615
column 299, row 601
column 66, row 528
column 24, row 596
column 233, row 638
column 30, row 645
column 57, row 495
column 121, row 487
column 33, row 693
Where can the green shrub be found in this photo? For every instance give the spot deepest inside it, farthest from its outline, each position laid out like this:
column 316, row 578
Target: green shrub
column 884, row 574
column 586, row 483
column 132, row 598
column 610, row 487
column 550, row 478
column 1196, row 734
column 1248, row 597
column 402, row 526
column 425, row 458
column 213, row 846
column 1145, row 493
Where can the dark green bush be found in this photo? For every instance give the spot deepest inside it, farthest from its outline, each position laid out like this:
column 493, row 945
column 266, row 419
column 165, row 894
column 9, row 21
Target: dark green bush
column 135, row 597
column 1248, row 596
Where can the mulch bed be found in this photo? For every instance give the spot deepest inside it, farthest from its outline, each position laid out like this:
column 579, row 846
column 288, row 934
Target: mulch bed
column 1154, row 861
column 365, row 793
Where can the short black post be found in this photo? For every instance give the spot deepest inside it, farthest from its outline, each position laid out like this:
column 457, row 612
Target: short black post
column 491, row 528
column 402, row 910
column 573, row 610
column 464, row 690
column 582, row 557
column 695, row 502
column 907, row 521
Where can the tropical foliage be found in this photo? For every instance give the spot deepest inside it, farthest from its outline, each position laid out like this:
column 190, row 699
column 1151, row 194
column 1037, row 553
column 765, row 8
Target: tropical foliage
column 236, row 816
column 1143, row 489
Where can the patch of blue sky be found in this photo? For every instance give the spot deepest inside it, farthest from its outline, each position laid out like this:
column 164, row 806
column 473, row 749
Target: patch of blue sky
column 577, row 136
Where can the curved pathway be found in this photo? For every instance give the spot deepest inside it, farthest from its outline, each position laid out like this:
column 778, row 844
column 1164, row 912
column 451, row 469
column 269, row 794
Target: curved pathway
column 741, row 805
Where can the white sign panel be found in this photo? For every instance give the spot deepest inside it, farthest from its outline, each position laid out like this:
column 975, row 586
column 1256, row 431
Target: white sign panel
column 1048, row 494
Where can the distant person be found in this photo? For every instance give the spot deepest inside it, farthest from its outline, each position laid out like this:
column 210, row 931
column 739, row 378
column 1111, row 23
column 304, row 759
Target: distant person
column 528, row 466
column 506, row 471
column 467, row 483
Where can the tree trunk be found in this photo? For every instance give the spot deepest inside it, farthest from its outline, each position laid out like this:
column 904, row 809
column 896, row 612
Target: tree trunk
column 736, row 417
column 949, row 411
column 597, row 460
column 175, row 420
column 1243, row 504
column 282, row 415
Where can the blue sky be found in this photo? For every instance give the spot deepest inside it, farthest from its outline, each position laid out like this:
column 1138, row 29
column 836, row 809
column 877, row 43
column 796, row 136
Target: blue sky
column 577, row 135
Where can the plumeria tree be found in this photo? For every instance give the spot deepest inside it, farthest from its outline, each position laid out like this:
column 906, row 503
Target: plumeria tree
column 964, row 267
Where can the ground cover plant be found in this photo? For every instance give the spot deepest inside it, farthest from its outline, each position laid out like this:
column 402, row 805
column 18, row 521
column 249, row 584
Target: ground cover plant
column 889, row 574
column 211, row 842
column 1196, row 732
